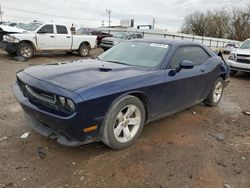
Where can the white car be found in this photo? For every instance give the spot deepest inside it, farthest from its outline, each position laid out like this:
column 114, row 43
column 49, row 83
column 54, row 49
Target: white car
column 229, row 47
column 239, row 59
column 47, row 37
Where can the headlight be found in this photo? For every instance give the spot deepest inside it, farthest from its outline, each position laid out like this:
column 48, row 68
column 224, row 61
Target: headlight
column 68, row 104
column 62, row 101
column 232, row 57
column 11, row 39
column 71, row 105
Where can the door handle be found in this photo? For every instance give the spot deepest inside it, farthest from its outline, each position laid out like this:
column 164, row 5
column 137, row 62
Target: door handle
column 68, row 37
column 52, row 36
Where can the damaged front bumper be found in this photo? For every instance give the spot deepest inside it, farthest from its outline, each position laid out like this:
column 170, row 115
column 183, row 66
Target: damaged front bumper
column 8, row 46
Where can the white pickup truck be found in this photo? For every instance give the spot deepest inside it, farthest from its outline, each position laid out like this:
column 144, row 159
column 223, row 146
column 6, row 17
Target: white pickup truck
column 50, row 36
column 239, row 59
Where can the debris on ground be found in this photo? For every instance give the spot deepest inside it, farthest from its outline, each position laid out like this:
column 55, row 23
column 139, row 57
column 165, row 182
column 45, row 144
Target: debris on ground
column 25, row 135
column 3, row 138
column 243, row 158
column 168, row 162
column 42, row 152
column 221, row 163
column 73, row 163
column 227, row 185
column 246, row 113
column 20, row 58
column 218, row 136
column 195, row 113
column 7, row 185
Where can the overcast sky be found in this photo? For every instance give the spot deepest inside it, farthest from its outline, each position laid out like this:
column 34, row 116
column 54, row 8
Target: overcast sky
column 169, row 14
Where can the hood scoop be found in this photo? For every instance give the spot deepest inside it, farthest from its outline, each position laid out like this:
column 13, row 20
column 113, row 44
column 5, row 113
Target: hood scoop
column 104, row 69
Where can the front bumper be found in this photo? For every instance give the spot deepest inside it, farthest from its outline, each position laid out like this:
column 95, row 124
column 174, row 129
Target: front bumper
column 67, row 130
column 106, row 46
column 8, row 46
column 244, row 67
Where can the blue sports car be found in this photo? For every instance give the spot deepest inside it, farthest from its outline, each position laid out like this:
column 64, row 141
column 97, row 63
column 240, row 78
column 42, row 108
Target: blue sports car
column 112, row 97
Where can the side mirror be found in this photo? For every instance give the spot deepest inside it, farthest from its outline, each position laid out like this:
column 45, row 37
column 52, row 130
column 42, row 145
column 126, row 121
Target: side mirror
column 185, row 64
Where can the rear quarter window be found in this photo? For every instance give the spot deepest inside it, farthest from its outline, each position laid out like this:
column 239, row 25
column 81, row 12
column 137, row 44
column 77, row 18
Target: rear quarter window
column 196, row 54
column 61, row 29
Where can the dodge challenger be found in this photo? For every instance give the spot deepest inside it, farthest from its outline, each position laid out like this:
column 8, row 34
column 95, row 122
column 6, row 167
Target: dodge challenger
column 112, row 97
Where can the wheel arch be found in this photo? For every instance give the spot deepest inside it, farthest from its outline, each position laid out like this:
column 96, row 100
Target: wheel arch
column 29, row 42
column 141, row 96
column 86, row 43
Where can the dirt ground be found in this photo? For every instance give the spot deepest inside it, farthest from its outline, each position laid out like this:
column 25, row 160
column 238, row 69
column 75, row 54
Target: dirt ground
column 178, row 151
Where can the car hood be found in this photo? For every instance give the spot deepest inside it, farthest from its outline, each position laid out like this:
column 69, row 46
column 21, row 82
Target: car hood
column 83, row 74
column 242, row 51
column 9, row 29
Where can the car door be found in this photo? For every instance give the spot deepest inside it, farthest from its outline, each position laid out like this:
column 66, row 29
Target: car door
column 46, row 37
column 63, row 38
column 186, row 87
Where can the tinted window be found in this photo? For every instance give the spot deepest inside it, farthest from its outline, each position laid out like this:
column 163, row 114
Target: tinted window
column 46, row 29
column 192, row 53
column 139, row 36
column 61, row 29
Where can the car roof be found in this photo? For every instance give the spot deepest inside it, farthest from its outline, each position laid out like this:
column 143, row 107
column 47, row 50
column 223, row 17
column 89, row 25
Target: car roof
column 168, row 41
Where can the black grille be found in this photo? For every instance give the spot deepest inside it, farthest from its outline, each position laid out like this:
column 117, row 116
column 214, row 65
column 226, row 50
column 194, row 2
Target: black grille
column 243, row 59
column 37, row 94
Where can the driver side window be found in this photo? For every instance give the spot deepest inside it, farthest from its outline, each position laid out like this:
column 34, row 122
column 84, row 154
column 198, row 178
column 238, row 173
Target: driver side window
column 47, row 29
column 196, row 54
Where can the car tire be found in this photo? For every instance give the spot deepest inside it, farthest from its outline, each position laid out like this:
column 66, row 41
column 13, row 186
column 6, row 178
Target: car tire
column 25, row 50
column 215, row 96
column 84, row 50
column 233, row 72
column 123, row 123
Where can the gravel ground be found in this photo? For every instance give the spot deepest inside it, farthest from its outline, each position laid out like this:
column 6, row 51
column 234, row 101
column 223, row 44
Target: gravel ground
column 178, row 151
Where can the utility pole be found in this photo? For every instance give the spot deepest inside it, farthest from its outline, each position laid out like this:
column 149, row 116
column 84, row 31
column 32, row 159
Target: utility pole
column 1, row 13
column 153, row 22
column 102, row 23
column 109, row 12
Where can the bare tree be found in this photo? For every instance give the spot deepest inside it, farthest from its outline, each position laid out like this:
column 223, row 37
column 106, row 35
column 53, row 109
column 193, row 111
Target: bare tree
column 239, row 24
column 220, row 23
column 195, row 24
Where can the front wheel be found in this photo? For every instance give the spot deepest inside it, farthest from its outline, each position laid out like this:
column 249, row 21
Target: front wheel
column 123, row 123
column 84, row 50
column 25, row 50
column 215, row 96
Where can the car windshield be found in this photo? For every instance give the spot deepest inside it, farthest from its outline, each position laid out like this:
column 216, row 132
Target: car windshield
column 31, row 26
column 245, row 45
column 133, row 53
column 121, row 35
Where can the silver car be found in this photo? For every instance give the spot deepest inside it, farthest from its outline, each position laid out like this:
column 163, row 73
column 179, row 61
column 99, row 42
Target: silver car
column 239, row 59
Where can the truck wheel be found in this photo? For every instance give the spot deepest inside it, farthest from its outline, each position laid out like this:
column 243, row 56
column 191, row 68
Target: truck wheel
column 25, row 50
column 84, row 50
column 123, row 123
column 215, row 96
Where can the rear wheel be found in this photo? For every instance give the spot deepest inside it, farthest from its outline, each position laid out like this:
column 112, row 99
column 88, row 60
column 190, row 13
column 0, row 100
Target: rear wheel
column 25, row 50
column 123, row 123
column 215, row 96
column 84, row 50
